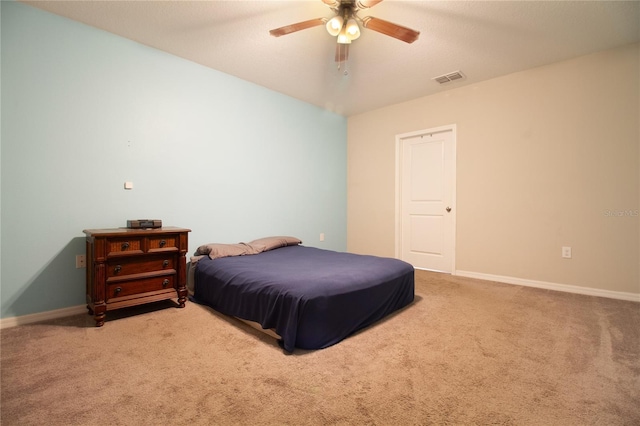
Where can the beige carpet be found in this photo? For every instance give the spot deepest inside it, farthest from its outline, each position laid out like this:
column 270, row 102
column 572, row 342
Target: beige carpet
column 465, row 352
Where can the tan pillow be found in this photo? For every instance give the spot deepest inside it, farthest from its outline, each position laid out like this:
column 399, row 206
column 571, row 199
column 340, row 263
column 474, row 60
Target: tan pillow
column 270, row 243
column 215, row 251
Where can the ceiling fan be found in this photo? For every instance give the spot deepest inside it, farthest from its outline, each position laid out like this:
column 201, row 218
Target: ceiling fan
column 344, row 25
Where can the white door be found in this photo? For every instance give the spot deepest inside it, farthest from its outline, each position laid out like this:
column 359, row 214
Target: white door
column 425, row 212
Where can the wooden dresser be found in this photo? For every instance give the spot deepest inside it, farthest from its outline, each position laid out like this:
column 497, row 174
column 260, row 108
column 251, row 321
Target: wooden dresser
column 127, row 267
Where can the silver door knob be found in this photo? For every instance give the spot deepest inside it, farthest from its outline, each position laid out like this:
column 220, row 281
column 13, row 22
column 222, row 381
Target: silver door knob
column 448, row 209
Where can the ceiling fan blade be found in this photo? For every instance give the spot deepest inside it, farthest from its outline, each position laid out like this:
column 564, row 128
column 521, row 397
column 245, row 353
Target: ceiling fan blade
column 288, row 29
column 392, row 30
column 333, row 4
column 366, row 4
column 342, row 52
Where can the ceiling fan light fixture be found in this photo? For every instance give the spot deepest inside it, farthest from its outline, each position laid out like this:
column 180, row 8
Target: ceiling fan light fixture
column 343, row 37
column 353, row 31
column 335, row 25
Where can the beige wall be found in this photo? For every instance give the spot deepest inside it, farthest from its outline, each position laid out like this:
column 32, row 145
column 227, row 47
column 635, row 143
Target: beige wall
column 546, row 158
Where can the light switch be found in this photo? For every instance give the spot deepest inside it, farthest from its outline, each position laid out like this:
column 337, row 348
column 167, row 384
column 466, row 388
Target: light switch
column 128, row 185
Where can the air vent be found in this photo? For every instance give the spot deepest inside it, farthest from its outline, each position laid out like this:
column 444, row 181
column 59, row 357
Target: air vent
column 452, row 76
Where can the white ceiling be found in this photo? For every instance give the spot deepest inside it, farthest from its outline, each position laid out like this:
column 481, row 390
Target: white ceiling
column 480, row 38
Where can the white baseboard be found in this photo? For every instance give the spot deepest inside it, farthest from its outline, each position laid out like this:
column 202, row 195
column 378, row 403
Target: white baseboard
column 621, row 295
column 42, row 316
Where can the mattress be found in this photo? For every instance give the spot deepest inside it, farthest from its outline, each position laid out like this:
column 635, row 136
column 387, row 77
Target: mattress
column 312, row 298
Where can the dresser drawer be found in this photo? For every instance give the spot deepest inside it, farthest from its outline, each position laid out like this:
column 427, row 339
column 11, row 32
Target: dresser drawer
column 118, row 246
column 124, row 289
column 163, row 242
column 130, row 266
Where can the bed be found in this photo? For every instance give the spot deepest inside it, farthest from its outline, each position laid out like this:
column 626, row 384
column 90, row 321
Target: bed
column 312, row 298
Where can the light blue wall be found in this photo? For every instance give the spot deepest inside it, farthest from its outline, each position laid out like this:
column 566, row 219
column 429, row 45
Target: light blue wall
column 83, row 111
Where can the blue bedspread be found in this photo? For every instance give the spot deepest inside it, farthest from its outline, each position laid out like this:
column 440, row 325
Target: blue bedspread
column 312, row 298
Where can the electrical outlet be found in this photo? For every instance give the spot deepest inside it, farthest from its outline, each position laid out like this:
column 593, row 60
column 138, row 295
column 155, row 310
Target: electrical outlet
column 322, row 236
column 566, row 252
column 81, row 261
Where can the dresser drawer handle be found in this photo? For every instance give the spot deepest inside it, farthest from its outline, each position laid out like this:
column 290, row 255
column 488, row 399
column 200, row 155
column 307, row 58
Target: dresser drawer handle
column 117, row 269
column 165, row 263
column 163, row 243
column 125, row 245
column 118, row 290
column 165, row 283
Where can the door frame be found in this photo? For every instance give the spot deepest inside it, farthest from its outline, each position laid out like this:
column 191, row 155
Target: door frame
column 398, row 186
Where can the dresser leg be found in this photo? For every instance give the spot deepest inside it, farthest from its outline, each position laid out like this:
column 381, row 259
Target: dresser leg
column 99, row 314
column 181, row 302
column 182, row 296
